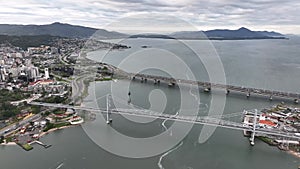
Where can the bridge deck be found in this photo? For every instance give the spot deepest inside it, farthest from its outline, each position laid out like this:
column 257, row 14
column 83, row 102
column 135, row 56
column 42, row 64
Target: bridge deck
column 205, row 120
column 209, row 85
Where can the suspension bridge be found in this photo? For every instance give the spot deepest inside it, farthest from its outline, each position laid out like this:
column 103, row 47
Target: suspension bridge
column 217, row 121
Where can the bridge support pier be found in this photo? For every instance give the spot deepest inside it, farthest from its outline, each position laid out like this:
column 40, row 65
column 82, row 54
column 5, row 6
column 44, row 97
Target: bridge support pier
column 171, row 84
column 271, row 98
column 208, row 89
column 252, row 137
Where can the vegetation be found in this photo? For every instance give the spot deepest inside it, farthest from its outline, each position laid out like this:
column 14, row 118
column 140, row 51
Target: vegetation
column 9, row 139
column 35, row 109
column 267, row 140
column 8, row 110
column 28, row 41
column 1, row 139
column 57, row 125
column 104, row 79
column 27, row 147
column 63, row 70
column 55, row 99
column 7, row 95
column 47, row 113
column 58, row 111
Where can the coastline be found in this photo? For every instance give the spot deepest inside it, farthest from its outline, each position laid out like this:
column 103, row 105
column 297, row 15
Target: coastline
column 55, row 129
column 41, row 135
column 8, row 144
column 294, row 153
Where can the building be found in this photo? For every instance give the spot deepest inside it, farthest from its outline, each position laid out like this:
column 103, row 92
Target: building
column 33, row 73
column 2, row 74
column 46, row 73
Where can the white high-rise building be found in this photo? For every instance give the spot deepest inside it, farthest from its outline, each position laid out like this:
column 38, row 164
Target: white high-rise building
column 46, row 73
column 2, row 73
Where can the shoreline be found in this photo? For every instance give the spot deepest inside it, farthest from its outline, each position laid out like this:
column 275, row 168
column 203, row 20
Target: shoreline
column 55, row 129
column 9, row 144
column 41, row 135
column 294, row 153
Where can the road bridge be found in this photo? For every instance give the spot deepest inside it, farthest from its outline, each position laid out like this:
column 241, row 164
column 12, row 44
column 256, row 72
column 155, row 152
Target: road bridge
column 208, row 86
column 204, row 120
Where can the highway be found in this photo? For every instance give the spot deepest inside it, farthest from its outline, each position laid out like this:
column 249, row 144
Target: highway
column 14, row 126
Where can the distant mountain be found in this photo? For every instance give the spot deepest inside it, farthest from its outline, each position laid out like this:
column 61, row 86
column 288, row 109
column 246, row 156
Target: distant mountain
column 73, row 31
column 151, row 36
column 225, row 34
column 56, row 29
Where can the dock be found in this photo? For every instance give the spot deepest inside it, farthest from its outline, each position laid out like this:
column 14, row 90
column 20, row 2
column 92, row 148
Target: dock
column 40, row 143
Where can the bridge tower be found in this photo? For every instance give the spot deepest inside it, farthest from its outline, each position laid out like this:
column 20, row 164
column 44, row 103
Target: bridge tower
column 254, row 127
column 108, row 111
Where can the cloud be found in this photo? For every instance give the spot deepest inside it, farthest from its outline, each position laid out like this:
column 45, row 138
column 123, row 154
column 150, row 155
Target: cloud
column 256, row 14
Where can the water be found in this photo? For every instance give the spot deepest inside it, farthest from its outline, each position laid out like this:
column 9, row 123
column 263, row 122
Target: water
column 272, row 64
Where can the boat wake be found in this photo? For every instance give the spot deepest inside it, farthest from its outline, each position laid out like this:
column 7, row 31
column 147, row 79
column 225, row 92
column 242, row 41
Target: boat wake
column 163, row 123
column 59, row 166
column 165, row 154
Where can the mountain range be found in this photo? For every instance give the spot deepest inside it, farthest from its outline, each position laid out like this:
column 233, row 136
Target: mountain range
column 56, row 29
column 73, row 31
column 223, row 34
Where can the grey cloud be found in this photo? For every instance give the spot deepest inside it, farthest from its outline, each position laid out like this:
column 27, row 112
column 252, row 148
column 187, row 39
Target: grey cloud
column 198, row 12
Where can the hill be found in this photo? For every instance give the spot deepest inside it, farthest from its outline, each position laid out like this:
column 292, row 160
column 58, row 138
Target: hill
column 56, row 29
column 28, row 41
column 225, row 34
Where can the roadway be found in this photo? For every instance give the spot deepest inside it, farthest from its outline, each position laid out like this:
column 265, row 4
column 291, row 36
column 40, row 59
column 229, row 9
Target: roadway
column 11, row 128
column 204, row 120
column 228, row 88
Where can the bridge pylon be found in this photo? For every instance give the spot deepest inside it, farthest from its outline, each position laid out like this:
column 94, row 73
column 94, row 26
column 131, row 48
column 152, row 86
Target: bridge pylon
column 252, row 138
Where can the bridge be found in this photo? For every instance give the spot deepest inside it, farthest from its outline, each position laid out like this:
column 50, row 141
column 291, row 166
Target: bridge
column 208, row 86
column 204, row 120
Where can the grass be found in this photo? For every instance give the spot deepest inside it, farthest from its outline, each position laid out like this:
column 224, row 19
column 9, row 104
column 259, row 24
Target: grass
column 27, row 147
column 58, row 125
column 61, row 124
column 266, row 140
column 104, row 79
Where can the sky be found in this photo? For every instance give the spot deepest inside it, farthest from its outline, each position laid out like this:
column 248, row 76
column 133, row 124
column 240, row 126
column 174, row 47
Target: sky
column 160, row 15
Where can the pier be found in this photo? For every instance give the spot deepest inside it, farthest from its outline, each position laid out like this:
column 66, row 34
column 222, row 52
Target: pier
column 41, row 144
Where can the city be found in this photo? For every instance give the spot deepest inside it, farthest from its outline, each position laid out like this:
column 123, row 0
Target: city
column 154, row 85
column 39, row 74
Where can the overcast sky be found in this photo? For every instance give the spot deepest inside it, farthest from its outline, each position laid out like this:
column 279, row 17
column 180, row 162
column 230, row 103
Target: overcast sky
column 277, row 15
